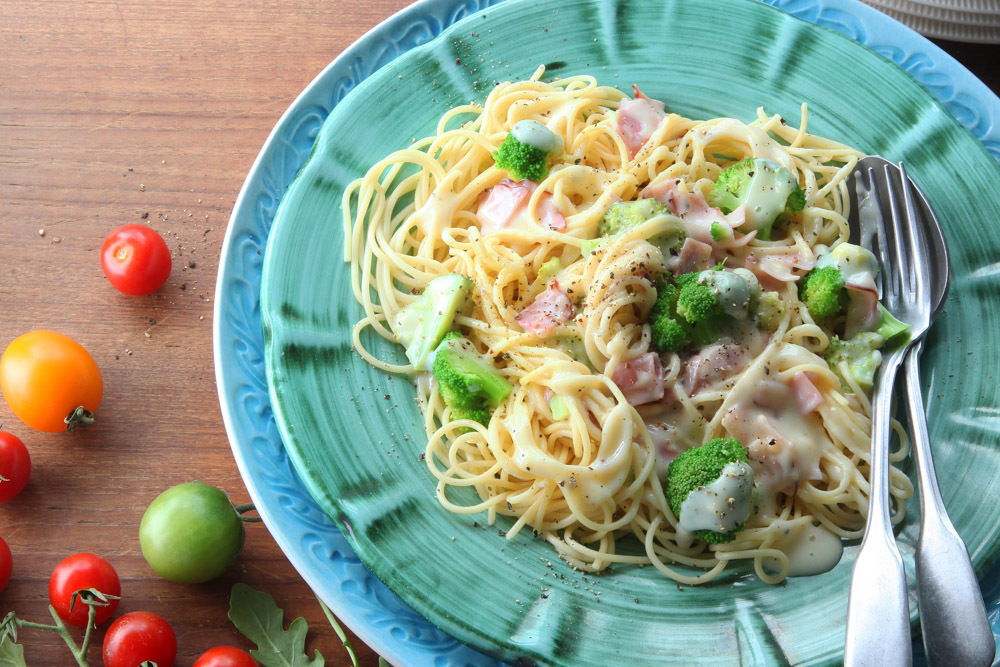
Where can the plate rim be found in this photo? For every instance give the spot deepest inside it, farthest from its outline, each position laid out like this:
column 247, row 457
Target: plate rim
column 810, row 10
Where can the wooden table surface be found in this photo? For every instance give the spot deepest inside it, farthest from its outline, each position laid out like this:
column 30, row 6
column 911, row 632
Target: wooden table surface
column 152, row 111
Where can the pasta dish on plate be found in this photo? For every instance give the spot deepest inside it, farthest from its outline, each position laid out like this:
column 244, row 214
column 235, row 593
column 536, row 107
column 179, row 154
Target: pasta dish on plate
column 643, row 338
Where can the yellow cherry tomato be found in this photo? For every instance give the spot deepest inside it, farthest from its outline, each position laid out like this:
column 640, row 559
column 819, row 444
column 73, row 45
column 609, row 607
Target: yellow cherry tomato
column 50, row 382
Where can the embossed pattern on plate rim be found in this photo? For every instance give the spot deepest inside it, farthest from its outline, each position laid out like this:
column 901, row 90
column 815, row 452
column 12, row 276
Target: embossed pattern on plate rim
column 310, row 540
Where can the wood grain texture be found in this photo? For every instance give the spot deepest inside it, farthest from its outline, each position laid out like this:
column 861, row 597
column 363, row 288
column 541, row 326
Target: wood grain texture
column 110, row 111
column 134, row 111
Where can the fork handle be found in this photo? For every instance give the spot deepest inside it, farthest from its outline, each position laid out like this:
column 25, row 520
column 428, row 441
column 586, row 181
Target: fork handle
column 878, row 613
column 952, row 615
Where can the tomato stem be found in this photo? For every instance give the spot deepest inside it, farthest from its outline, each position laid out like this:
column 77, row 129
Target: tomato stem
column 79, row 417
column 79, row 652
column 243, row 509
column 91, row 613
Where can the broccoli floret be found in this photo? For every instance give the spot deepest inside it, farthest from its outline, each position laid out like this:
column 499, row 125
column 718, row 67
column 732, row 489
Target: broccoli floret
column 590, row 245
column 420, row 326
column 668, row 332
column 823, row 293
column 708, row 294
column 526, row 151
column 559, row 409
column 699, row 306
column 624, row 216
column 889, row 327
column 720, row 232
column 468, row 383
column 547, row 271
column 764, row 187
column 700, row 467
column 697, row 301
column 770, row 310
column 861, row 352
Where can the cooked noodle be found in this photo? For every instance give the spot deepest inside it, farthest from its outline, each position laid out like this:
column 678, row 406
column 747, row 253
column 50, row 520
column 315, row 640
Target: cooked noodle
column 585, row 482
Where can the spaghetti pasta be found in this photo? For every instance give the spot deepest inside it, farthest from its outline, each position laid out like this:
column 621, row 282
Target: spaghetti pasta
column 578, row 451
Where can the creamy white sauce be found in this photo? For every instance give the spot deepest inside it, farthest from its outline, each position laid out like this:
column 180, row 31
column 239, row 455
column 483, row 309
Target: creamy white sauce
column 811, row 550
column 756, row 139
column 769, row 201
column 721, row 506
column 535, row 134
column 734, row 288
column 784, row 445
column 437, row 213
column 858, row 265
column 673, row 428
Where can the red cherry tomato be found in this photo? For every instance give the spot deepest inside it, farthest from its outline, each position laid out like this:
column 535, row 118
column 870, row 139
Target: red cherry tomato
column 137, row 637
column 81, row 572
column 136, row 260
column 6, row 564
column 225, row 656
column 15, row 466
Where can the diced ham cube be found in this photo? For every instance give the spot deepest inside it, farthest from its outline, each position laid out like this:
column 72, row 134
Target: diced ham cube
column 549, row 309
column 640, row 379
column 550, row 215
column 637, row 119
column 698, row 216
column 695, row 256
column 806, row 394
column 713, row 364
column 502, row 204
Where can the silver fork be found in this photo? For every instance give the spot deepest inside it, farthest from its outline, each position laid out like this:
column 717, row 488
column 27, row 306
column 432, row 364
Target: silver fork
column 878, row 617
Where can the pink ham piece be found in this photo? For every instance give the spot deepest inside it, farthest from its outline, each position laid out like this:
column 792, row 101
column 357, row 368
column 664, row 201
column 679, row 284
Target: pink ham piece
column 695, row 256
column 505, row 201
column 664, row 436
column 778, row 462
column 550, row 215
column 698, row 216
column 549, row 309
column 637, row 119
column 780, row 267
column 863, row 313
column 713, row 364
column 765, row 278
column 806, row 394
column 502, row 204
column 640, row 379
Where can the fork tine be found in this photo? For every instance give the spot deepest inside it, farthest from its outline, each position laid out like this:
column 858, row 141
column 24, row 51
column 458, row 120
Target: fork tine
column 915, row 234
column 881, row 188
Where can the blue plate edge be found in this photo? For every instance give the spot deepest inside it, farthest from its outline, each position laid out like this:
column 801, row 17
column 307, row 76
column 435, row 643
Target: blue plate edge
column 300, row 560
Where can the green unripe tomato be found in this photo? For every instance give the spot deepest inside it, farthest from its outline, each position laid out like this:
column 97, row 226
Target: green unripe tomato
column 191, row 533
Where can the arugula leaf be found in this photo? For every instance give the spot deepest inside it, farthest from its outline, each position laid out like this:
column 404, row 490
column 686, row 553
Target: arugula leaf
column 256, row 615
column 340, row 632
column 11, row 654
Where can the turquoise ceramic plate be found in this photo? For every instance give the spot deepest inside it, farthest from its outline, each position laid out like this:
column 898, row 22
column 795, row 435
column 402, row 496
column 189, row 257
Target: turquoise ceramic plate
column 353, row 433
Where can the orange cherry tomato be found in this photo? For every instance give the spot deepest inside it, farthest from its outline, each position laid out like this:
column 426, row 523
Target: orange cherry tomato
column 50, row 382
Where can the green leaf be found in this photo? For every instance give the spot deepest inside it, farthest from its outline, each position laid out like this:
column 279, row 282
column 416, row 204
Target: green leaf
column 340, row 632
column 382, row 662
column 11, row 654
column 256, row 615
